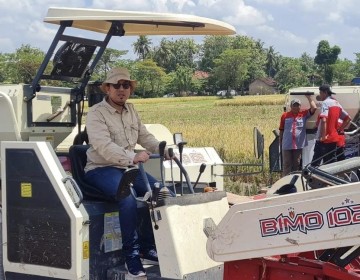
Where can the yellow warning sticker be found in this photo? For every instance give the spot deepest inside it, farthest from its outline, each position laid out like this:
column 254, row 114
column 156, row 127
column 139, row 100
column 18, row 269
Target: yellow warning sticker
column 26, row 190
column 86, row 250
column 49, row 138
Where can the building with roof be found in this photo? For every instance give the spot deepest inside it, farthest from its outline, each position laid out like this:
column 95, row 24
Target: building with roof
column 262, row 86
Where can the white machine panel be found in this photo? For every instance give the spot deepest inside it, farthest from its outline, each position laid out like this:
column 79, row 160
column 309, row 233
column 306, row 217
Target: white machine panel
column 313, row 220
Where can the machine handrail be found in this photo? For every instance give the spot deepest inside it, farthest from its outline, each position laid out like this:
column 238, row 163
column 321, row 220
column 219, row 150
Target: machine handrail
column 76, row 188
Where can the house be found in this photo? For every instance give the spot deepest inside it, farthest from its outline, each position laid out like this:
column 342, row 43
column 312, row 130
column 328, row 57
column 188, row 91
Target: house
column 263, row 86
column 201, row 75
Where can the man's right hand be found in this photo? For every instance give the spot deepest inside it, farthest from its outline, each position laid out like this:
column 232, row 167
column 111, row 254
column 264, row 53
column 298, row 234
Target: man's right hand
column 142, row 156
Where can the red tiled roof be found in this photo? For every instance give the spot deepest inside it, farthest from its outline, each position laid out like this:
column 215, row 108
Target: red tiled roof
column 201, row 75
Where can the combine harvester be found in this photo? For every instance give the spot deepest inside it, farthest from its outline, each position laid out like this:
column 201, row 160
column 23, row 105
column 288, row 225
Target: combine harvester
column 307, row 225
column 55, row 227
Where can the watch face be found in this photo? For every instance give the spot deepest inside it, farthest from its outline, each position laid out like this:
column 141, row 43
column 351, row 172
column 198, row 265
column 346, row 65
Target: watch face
column 178, row 138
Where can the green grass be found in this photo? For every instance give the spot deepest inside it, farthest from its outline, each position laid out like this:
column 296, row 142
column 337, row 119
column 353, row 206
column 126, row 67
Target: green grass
column 225, row 124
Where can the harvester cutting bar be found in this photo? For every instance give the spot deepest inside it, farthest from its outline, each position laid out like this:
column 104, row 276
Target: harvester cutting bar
column 284, row 268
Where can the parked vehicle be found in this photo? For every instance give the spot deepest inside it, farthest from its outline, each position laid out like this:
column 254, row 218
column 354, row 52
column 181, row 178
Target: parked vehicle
column 224, row 92
column 169, row 95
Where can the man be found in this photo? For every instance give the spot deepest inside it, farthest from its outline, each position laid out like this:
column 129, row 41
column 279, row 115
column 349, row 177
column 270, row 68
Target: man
column 293, row 134
column 114, row 128
column 328, row 127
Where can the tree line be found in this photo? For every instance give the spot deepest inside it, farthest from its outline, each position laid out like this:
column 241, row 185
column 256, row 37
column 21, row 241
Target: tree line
column 220, row 62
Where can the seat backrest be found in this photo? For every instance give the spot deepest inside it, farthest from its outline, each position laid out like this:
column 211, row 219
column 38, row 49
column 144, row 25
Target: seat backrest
column 78, row 158
column 9, row 130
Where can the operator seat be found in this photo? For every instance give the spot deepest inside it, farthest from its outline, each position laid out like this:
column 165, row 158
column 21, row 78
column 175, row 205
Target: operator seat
column 78, row 158
column 77, row 154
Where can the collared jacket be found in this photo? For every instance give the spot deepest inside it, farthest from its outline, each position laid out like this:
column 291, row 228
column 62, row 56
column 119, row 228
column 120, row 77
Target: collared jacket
column 294, row 130
column 113, row 136
column 333, row 112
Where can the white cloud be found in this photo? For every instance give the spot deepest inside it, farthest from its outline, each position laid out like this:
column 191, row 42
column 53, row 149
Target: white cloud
column 181, row 3
column 326, row 36
column 273, row 2
column 336, row 17
column 244, row 15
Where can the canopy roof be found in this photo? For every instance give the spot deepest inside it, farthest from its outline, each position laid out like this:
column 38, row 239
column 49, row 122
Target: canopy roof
column 139, row 23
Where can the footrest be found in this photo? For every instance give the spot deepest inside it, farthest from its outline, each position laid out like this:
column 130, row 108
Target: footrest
column 121, row 273
column 127, row 182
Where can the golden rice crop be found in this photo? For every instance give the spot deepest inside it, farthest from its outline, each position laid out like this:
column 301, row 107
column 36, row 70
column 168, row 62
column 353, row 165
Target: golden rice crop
column 225, row 124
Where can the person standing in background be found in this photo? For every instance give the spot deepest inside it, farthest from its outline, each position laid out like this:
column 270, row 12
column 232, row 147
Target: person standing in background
column 328, row 127
column 293, row 134
column 340, row 145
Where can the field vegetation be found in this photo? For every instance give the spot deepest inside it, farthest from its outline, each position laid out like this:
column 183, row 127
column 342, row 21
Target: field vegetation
column 226, row 124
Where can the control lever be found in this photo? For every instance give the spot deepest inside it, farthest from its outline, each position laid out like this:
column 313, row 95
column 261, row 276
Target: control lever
column 171, row 155
column 150, row 195
column 183, row 171
column 162, row 146
column 181, row 148
column 201, row 170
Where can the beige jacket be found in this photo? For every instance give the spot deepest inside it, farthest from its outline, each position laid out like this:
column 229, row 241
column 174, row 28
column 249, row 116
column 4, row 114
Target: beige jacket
column 113, row 136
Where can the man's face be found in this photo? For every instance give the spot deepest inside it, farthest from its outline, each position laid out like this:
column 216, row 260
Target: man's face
column 323, row 95
column 295, row 108
column 120, row 92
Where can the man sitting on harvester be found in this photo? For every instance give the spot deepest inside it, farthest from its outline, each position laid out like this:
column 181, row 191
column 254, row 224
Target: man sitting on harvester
column 114, row 128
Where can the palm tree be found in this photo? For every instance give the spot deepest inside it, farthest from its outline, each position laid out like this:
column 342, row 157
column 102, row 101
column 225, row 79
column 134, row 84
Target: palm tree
column 271, row 57
column 142, row 46
column 163, row 55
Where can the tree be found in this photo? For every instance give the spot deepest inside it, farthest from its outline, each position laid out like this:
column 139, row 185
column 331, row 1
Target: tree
column 108, row 60
column 182, row 79
column 270, row 66
column 211, row 49
column 185, row 52
column 290, row 75
column 21, row 66
column 149, row 77
column 257, row 57
column 3, row 63
column 357, row 65
column 163, row 54
column 343, row 71
column 325, row 57
column 231, row 68
column 142, row 46
column 309, row 67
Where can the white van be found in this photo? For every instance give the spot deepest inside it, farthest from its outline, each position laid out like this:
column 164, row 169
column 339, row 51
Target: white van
column 223, row 92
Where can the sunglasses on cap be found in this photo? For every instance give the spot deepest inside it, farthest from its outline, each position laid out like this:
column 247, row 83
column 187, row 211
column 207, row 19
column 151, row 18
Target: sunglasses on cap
column 125, row 85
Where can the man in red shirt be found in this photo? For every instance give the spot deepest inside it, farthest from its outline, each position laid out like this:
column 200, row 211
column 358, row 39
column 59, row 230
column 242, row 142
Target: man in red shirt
column 293, row 134
column 328, row 127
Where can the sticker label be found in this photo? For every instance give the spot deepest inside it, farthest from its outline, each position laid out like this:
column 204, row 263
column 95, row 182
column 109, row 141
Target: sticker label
column 26, row 190
column 112, row 233
column 86, row 250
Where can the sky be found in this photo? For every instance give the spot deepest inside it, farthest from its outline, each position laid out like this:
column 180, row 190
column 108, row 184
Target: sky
column 291, row 27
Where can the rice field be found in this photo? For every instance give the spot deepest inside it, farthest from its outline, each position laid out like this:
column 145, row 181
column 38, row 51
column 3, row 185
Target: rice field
column 225, row 124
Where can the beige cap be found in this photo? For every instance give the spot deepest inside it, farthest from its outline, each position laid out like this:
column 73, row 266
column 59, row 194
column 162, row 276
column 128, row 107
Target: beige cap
column 115, row 75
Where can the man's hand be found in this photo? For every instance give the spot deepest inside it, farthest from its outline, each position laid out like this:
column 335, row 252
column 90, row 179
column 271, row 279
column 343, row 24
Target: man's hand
column 142, row 156
column 168, row 155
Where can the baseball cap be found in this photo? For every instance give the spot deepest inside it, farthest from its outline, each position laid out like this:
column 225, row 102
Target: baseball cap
column 327, row 89
column 295, row 101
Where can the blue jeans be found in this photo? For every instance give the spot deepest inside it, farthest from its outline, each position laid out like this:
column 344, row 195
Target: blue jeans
column 135, row 224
